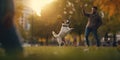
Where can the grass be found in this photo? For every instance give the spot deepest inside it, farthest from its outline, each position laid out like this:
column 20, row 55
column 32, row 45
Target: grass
column 70, row 53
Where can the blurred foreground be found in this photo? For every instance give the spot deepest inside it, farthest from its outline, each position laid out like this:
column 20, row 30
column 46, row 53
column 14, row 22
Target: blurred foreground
column 68, row 53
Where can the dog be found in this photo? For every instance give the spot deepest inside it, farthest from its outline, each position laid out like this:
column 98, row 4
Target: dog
column 65, row 29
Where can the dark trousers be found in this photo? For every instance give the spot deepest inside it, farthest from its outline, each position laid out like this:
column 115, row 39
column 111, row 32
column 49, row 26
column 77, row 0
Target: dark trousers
column 94, row 31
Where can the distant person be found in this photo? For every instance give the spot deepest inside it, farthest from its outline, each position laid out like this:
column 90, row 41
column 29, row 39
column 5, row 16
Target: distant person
column 8, row 37
column 94, row 22
column 114, row 40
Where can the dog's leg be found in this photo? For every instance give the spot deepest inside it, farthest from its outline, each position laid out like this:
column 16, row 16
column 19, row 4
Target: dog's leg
column 59, row 40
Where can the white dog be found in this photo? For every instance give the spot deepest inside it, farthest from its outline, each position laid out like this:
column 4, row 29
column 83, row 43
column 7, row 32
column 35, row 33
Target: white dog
column 65, row 29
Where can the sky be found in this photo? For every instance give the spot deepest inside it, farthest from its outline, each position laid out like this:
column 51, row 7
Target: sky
column 36, row 5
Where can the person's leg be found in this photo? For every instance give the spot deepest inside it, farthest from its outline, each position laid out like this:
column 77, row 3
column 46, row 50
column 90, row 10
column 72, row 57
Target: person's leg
column 87, row 32
column 96, row 37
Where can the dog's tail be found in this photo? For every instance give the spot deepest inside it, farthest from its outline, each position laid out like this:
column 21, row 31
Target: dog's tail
column 54, row 34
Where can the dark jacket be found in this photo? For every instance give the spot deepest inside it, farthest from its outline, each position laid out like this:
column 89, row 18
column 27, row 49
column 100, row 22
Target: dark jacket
column 94, row 20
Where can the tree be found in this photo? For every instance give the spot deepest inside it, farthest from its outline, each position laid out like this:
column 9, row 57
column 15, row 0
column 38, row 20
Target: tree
column 19, row 7
column 53, row 14
column 18, row 10
column 109, row 6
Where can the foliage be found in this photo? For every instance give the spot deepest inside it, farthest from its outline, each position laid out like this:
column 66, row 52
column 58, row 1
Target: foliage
column 109, row 6
column 52, row 15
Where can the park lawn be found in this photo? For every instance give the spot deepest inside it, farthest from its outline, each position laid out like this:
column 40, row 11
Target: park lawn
column 70, row 53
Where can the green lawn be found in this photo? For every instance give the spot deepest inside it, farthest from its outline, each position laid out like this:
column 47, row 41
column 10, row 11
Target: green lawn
column 70, row 53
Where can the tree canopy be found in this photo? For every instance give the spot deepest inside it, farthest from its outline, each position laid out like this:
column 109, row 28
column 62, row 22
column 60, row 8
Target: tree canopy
column 52, row 15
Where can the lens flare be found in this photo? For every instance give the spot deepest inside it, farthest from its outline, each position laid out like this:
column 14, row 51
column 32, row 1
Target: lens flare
column 38, row 5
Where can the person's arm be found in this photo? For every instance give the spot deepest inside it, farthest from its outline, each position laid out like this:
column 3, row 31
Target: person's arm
column 99, row 22
column 84, row 13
